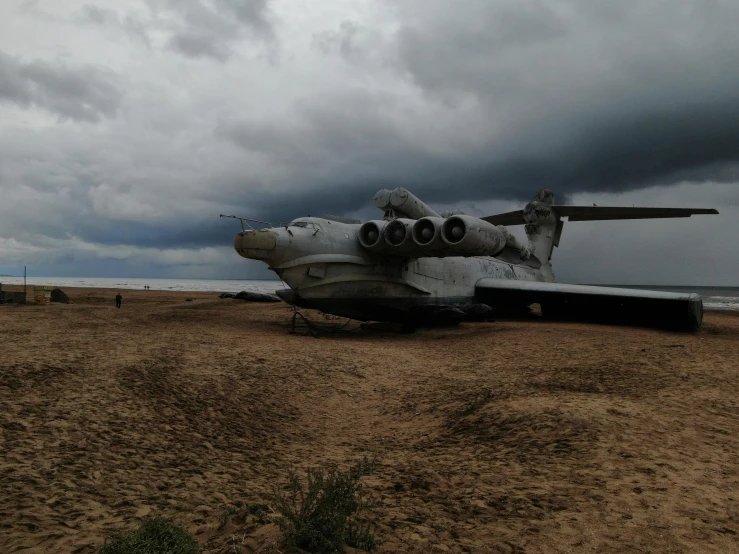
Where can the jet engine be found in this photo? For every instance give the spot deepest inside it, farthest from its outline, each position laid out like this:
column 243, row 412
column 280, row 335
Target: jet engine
column 397, row 234
column 427, row 232
column 459, row 235
column 388, row 237
column 371, row 237
column 465, row 235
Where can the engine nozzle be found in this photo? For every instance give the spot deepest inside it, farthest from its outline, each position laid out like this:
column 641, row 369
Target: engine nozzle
column 426, row 232
column 397, row 235
column 370, row 235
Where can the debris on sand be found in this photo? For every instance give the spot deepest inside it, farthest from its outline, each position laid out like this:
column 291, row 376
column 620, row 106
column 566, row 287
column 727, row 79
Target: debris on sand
column 479, row 312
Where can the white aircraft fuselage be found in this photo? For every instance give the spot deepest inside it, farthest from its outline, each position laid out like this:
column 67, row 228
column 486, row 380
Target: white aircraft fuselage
column 326, row 268
column 417, row 267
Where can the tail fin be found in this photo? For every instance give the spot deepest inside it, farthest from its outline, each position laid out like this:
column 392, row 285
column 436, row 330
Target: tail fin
column 543, row 220
column 543, row 229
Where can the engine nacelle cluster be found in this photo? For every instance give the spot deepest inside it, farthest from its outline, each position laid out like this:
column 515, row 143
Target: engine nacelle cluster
column 459, row 235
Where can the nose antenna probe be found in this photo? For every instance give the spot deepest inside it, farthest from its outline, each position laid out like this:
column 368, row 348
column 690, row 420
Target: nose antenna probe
column 242, row 219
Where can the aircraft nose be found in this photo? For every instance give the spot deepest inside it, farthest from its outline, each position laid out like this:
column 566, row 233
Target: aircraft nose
column 255, row 244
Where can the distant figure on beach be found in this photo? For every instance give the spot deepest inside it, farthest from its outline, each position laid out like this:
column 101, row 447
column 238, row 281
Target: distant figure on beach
column 118, row 300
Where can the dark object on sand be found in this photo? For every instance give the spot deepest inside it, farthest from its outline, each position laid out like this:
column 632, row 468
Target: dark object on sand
column 447, row 315
column 256, row 297
column 8, row 297
column 251, row 296
column 118, row 300
column 58, row 295
column 479, row 312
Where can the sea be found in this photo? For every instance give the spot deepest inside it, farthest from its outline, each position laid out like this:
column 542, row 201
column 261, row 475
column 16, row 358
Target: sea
column 714, row 298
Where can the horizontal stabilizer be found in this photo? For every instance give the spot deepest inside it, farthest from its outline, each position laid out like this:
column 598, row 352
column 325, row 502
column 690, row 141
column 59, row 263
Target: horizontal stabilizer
column 507, row 219
column 593, row 303
column 601, row 213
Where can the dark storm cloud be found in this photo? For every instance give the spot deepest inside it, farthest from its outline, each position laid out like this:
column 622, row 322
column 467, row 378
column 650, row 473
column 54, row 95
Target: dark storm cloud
column 129, row 25
column 200, row 45
column 574, row 96
column 579, row 96
column 593, row 95
column 84, row 93
column 343, row 135
column 252, row 13
column 696, row 143
column 343, row 151
column 203, row 29
column 198, row 233
column 347, row 40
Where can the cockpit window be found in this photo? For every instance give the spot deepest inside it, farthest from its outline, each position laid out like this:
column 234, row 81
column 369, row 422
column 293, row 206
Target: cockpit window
column 299, row 224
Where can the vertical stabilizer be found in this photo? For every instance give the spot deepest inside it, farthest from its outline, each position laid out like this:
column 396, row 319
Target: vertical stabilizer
column 543, row 229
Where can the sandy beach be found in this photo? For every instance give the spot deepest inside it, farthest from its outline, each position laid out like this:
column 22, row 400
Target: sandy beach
column 507, row 436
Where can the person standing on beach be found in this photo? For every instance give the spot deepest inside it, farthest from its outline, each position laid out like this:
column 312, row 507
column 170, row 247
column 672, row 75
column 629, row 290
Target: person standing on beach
column 118, row 300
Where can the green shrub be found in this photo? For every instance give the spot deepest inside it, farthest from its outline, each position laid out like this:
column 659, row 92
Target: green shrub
column 323, row 515
column 239, row 512
column 154, row 536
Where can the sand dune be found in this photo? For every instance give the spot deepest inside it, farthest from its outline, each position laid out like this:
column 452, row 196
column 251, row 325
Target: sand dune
column 510, row 436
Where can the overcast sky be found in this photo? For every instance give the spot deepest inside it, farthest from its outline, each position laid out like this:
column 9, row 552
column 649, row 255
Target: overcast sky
column 128, row 126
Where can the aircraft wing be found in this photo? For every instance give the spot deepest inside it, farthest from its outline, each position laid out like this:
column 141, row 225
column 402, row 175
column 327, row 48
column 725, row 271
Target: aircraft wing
column 594, row 303
column 601, row 213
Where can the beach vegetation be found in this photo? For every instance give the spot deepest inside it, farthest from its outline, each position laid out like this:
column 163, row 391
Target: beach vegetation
column 325, row 512
column 239, row 512
column 153, row 536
